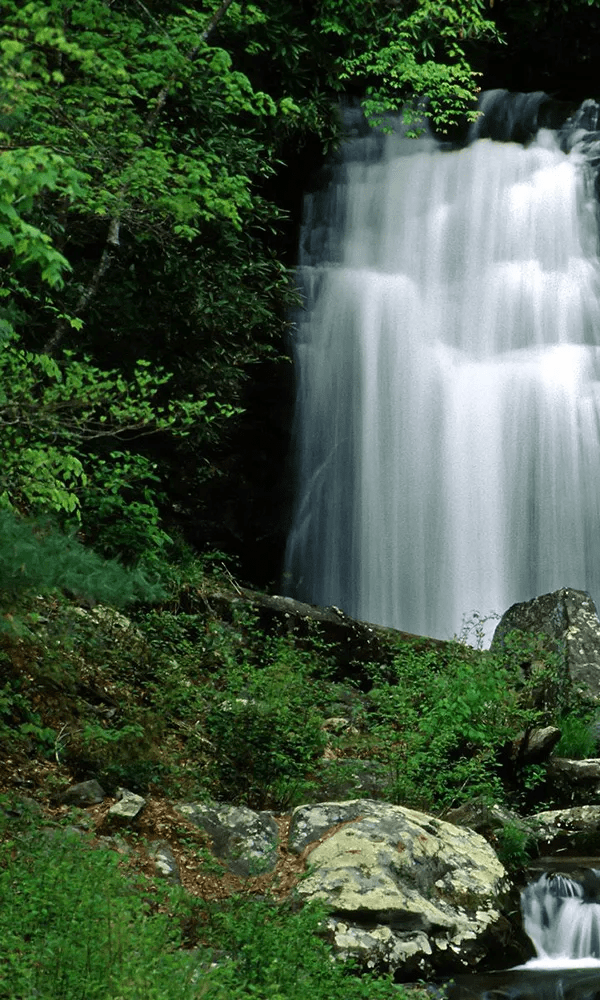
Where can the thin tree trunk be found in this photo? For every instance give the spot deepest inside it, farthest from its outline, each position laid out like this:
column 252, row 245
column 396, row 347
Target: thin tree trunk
column 114, row 226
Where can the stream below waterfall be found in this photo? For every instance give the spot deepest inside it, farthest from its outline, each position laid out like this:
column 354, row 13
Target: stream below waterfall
column 561, row 915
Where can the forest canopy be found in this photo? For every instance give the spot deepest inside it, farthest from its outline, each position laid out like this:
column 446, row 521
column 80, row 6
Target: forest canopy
column 144, row 265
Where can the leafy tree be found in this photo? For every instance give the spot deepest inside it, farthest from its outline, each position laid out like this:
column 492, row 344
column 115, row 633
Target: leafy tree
column 384, row 52
column 139, row 147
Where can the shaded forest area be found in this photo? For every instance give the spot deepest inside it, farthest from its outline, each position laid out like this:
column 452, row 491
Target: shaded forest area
column 152, row 161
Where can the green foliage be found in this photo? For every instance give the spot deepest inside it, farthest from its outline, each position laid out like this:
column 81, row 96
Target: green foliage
column 514, row 847
column 38, row 557
column 123, row 96
column 201, row 706
column 266, row 732
column 114, row 65
column 399, row 54
column 26, row 175
column 279, row 954
column 73, row 925
column 20, row 725
column 117, row 755
column 577, row 739
column 52, row 412
column 444, row 718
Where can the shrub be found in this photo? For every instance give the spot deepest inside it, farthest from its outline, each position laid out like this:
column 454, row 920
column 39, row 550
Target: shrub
column 38, row 557
column 514, row 847
column 266, row 731
column 73, row 926
column 577, row 740
column 444, row 718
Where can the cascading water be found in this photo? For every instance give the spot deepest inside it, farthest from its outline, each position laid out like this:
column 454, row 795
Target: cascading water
column 562, row 921
column 448, row 359
column 561, row 915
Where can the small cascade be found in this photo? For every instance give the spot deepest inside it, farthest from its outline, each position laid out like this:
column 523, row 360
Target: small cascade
column 562, row 917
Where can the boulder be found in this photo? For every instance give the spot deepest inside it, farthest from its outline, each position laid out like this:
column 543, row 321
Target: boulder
column 407, row 891
column 566, row 626
column 575, row 782
column 576, row 829
column 534, row 745
column 485, row 818
column 84, row 793
column 244, row 840
column 126, row 810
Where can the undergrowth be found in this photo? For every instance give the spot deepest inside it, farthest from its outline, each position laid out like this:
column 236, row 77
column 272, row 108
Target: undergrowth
column 77, row 921
column 190, row 702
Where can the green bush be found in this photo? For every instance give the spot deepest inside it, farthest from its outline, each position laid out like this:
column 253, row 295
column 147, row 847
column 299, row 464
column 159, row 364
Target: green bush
column 514, row 847
column 116, row 755
column 577, row 739
column 38, row 557
column 443, row 719
column 73, row 926
column 266, row 732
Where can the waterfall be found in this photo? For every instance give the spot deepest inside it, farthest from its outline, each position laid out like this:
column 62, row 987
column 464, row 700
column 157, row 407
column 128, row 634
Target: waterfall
column 561, row 915
column 448, row 376
column 562, row 918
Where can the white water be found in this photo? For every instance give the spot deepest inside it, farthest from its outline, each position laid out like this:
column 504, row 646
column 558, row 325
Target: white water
column 563, row 925
column 448, row 416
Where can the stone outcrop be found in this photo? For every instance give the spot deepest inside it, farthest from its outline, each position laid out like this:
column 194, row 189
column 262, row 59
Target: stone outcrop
column 576, row 830
column 352, row 643
column 566, row 625
column 407, row 891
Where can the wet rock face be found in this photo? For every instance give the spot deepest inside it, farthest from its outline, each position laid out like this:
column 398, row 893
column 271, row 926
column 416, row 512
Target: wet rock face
column 408, row 891
column 567, row 626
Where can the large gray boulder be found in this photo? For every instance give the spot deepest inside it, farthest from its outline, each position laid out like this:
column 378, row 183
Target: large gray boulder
column 575, row 782
column 408, row 892
column 566, row 625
